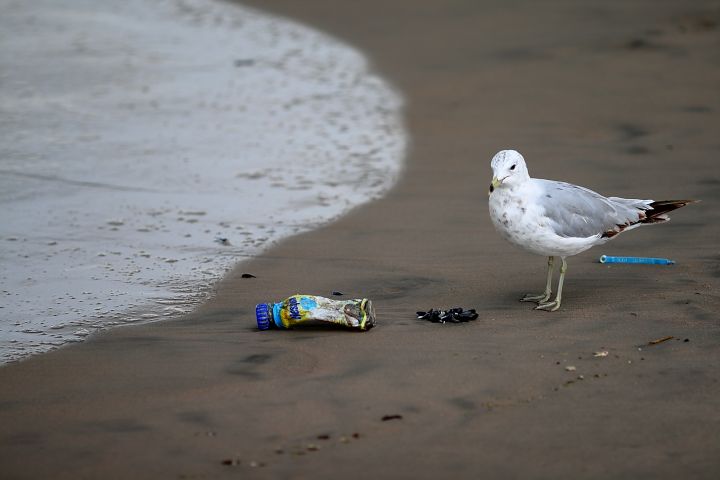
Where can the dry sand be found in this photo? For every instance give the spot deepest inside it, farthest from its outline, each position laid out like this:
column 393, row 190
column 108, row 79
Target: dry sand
column 622, row 98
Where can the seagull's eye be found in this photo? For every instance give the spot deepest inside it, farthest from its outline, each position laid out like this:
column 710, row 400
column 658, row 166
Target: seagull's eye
column 513, row 167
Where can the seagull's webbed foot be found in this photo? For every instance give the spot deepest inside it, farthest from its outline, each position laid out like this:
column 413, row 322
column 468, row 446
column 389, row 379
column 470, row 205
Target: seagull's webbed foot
column 549, row 306
column 541, row 298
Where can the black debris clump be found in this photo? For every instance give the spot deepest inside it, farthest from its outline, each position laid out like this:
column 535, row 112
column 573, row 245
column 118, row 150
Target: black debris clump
column 452, row 315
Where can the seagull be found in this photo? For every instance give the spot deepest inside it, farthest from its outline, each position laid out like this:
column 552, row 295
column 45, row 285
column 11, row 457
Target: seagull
column 558, row 219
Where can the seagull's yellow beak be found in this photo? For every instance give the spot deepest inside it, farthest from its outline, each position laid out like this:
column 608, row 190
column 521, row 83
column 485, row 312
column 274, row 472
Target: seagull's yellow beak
column 494, row 184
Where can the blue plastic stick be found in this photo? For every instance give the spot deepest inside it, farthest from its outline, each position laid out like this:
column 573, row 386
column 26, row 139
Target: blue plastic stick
column 641, row 260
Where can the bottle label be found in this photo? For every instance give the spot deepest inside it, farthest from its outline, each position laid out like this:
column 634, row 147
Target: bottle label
column 299, row 309
column 300, row 306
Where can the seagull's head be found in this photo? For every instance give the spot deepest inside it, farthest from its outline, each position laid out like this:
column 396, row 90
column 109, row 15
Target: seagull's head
column 508, row 168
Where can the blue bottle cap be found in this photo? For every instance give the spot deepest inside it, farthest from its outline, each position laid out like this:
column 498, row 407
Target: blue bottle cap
column 263, row 315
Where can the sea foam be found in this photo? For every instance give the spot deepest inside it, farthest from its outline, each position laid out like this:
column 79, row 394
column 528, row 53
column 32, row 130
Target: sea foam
column 147, row 146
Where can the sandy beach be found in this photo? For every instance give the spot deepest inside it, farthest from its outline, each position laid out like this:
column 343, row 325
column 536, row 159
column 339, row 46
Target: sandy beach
column 621, row 98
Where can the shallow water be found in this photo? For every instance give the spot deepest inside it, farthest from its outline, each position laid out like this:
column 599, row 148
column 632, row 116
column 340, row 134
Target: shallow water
column 146, row 147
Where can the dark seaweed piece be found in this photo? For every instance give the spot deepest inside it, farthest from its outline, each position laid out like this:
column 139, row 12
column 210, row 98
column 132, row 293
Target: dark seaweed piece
column 385, row 418
column 247, row 275
column 452, row 315
column 338, row 294
column 447, row 316
column 466, row 315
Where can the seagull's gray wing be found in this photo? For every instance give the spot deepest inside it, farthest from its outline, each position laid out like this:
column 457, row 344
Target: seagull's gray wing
column 575, row 211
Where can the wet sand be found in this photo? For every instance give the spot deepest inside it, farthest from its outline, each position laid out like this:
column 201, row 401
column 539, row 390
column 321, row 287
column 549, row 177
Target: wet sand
column 620, row 98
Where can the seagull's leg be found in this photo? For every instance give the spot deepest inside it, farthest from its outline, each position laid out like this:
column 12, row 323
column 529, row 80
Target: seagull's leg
column 555, row 304
column 543, row 297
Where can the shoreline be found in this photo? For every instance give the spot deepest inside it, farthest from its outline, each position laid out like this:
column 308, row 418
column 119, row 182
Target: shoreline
column 160, row 144
column 493, row 396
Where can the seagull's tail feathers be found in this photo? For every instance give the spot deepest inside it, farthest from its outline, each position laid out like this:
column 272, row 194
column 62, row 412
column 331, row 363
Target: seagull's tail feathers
column 657, row 212
column 649, row 212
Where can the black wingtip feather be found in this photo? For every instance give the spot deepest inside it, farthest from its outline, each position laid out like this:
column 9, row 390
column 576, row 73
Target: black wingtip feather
column 661, row 207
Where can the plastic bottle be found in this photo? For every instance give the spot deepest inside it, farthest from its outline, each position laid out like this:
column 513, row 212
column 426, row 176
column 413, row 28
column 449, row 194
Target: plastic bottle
column 357, row 314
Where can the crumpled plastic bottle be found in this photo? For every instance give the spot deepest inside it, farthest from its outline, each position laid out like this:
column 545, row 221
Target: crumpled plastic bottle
column 357, row 314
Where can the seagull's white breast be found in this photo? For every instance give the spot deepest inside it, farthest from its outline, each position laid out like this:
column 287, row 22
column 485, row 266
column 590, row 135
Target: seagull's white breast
column 520, row 220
